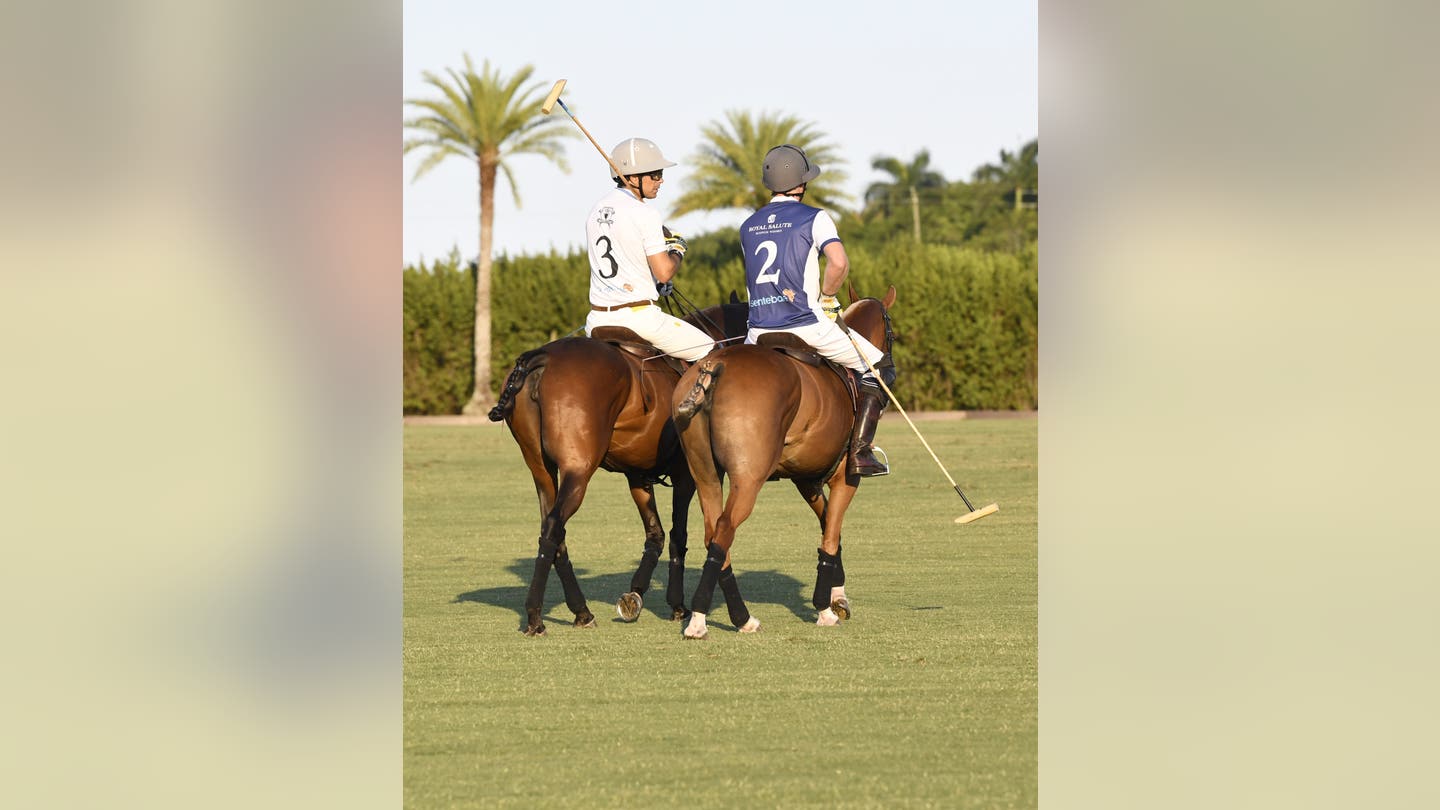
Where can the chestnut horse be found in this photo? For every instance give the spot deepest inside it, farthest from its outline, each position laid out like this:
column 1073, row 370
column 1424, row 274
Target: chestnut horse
column 580, row 404
column 764, row 415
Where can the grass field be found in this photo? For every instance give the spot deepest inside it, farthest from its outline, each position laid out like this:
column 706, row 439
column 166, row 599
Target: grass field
column 925, row 698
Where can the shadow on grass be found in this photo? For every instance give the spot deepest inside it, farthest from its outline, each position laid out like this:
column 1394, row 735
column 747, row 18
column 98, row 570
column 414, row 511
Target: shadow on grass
column 757, row 587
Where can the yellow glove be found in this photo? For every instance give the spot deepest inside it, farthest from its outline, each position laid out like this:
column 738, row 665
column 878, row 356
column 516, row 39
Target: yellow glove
column 675, row 243
column 830, row 306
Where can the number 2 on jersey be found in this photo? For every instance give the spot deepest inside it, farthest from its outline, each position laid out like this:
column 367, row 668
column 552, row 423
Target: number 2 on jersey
column 765, row 276
column 614, row 266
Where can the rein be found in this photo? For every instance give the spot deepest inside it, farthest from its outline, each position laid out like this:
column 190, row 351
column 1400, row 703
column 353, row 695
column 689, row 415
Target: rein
column 677, row 309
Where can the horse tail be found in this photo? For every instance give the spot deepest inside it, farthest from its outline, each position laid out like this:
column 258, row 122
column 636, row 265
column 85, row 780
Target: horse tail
column 526, row 364
column 699, row 397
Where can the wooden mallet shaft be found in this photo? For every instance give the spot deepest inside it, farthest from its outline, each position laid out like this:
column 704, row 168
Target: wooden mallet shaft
column 974, row 514
column 554, row 98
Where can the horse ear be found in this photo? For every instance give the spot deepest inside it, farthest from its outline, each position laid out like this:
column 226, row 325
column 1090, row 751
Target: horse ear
column 850, row 290
column 734, row 299
column 889, row 300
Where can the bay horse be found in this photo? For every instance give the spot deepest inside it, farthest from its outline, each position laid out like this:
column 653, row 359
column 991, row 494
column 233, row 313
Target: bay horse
column 762, row 415
column 579, row 404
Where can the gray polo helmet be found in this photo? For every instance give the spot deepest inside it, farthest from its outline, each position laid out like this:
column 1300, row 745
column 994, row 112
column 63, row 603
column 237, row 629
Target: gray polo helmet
column 638, row 156
column 787, row 167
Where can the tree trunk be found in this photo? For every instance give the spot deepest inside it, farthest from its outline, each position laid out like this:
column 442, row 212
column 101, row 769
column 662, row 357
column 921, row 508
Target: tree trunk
column 481, row 400
column 915, row 212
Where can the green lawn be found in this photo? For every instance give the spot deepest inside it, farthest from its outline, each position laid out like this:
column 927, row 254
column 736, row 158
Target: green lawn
column 926, row 697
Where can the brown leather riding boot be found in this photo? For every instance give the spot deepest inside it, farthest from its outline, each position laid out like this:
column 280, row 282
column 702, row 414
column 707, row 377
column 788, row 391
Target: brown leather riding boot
column 862, row 453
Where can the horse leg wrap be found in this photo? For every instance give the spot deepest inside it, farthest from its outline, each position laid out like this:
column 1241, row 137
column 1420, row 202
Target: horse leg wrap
column 675, row 585
column 648, row 560
column 574, row 599
column 535, row 599
column 705, row 591
column 839, row 569
column 739, row 614
column 825, row 572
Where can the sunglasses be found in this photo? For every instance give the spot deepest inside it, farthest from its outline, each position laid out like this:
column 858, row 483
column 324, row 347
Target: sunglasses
column 655, row 175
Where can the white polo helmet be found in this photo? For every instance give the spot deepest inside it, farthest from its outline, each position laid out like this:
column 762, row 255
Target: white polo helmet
column 638, row 156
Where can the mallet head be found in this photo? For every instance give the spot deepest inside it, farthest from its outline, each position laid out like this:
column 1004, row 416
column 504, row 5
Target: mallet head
column 553, row 97
column 979, row 513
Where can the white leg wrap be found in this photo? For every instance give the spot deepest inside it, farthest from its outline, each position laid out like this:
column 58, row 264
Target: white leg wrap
column 696, row 628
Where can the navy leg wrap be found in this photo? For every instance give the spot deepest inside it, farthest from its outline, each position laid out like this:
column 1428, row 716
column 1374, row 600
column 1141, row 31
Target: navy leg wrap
column 648, row 560
column 825, row 572
column 535, row 599
column 675, row 586
column 705, row 591
column 573, row 598
column 839, row 568
column 739, row 614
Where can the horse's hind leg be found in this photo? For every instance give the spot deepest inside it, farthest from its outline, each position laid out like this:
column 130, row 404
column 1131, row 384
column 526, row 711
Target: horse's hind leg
column 717, row 569
column 553, row 553
column 644, row 494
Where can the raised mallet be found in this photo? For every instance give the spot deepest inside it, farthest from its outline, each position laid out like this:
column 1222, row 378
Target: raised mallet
column 974, row 514
column 554, row 98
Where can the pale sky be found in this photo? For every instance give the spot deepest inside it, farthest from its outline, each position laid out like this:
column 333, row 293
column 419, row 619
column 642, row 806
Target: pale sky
column 879, row 78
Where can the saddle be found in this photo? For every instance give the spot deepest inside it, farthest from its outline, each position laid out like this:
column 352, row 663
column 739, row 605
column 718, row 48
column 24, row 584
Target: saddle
column 627, row 341
column 797, row 349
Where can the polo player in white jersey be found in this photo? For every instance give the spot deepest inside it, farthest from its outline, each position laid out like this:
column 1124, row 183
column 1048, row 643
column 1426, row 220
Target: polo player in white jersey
column 630, row 255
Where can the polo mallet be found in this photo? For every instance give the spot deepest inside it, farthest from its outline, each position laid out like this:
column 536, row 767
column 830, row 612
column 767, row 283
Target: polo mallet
column 974, row 514
column 549, row 105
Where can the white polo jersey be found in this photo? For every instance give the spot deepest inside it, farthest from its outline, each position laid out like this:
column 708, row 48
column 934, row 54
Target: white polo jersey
column 619, row 235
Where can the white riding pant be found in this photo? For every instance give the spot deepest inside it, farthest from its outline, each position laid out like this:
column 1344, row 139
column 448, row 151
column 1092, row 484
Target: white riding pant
column 830, row 342
column 670, row 335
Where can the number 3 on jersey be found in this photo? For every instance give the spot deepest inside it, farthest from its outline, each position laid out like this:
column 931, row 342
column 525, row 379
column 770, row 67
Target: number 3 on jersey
column 765, row 275
column 614, row 266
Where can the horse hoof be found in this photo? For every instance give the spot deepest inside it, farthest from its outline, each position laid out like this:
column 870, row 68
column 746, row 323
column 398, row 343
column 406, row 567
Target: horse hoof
column 827, row 618
column 586, row 619
column 696, row 629
column 679, row 614
column 752, row 626
column 537, row 630
column 841, row 607
column 629, row 607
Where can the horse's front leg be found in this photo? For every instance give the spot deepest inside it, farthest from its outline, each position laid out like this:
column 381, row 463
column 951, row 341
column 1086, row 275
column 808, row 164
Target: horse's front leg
column 829, row 596
column 644, row 494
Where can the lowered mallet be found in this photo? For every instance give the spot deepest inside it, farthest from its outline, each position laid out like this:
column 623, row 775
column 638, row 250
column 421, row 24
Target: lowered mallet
column 974, row 514
column 549, row 105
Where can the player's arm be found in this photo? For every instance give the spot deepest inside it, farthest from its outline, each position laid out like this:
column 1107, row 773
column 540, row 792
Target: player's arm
column 837, row 267
column 837, row 263
column 663, row 260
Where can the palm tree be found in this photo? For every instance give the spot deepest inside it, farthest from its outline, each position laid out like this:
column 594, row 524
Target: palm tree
column 1016, row 172
column 485, row 117
column 908, row 179
column 728, row 168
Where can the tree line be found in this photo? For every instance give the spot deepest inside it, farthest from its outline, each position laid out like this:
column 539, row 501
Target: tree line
column 965, row 319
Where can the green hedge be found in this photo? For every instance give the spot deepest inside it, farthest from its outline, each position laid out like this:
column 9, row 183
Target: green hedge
column 965, row 319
